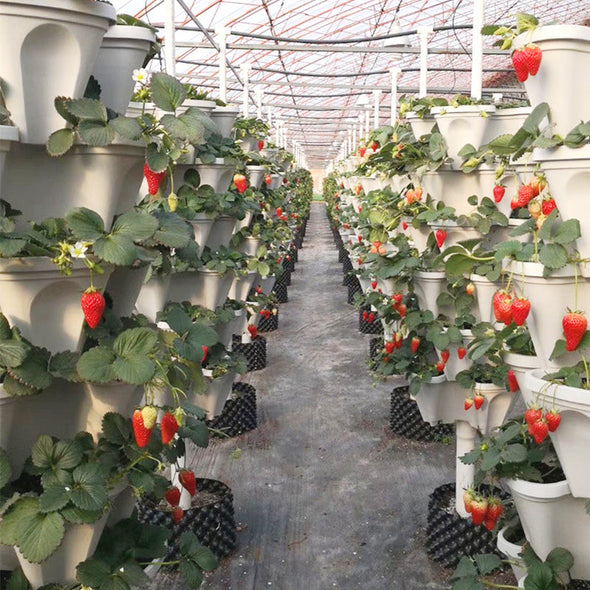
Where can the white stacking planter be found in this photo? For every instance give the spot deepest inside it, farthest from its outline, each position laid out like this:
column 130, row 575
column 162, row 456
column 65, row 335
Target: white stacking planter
column 565, row 65
column 123, row 50
column 420, row 126
column 224, row 118
column 201, row 287
column 153, row 296
column 43, row 302
column 257, row 174
column 218, row 175
column 202, row 225
column 241, row 286
column 572, row 439
column 218, row 391
column 428, row 286
column 74, row 31
column 7, row 136
column 221, row 232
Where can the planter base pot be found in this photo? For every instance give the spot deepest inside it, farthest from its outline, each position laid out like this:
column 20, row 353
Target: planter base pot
column 213, row 524
column 241, row 286
column 255, row 352
column 512, row 550
column 256, row 176
column 449, row 536
column 405, row 419
column 269, row 324
column 239, row 414
column 226, row 330
column 281, row 291
column 224, row 118
column 123, row 288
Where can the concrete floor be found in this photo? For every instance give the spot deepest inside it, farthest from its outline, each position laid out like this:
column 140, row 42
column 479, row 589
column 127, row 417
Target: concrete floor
column 325, row 496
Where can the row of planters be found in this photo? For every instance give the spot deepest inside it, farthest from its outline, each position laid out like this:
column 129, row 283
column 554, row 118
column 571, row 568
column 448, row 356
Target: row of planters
column 465, row 227
column 136, row 238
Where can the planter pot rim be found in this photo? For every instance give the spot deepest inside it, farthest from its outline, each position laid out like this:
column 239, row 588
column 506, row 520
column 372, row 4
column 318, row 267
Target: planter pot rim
column 525, row 361
column 504, row 544
column 218, row 162
column 256, row 168
column 489, row 387
column 199, row 102
column 26, row 264
column 430, row 274
column 413, row 115
column 535, row 269
column 210, row 272
column 563, row 153
column 539, row 490
column 512, row 111
column 202, row 216
column 130, row 32
column 101, row 9
column 462, row 109
column 226, row 109
column 448, row 223
column 553, row 33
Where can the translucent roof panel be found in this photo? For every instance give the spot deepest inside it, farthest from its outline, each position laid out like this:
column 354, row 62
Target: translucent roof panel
column 316, row 89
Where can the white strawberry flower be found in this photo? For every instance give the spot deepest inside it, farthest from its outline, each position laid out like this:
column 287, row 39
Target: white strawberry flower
column 78, row 250
column 140, row 75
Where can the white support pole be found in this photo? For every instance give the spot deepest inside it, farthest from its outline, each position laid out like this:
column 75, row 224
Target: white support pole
column 376, row 98
column 353, row 138
column 466, row 436
column 477, row 50
column 222, row 33
column 395, row 74
column 245, row 71
column 277, row 126
column 169, row 37
column 349, row 150
column 269, row 114
column 360, row 126
column 423, row 33
column 258, row 93
column 367, row 122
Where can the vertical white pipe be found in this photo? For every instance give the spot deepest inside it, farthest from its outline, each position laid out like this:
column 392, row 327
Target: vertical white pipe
column 367, row 122
column 423, row 32
column 349, row 151
column 395, row 74
column 466, row 436
column 169, row 38
column 376, row 98
column 245, row 71
column 360, row 132
column 277, row 125
column 353, row 138
column 477, row 50
column 221, row 33
column 269, row 115
column 258, row 92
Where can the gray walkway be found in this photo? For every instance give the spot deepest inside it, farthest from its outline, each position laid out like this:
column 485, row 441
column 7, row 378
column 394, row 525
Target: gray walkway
column 327, row 498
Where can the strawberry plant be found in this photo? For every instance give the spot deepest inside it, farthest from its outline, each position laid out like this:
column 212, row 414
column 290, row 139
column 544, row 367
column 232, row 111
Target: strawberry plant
column 252, row 127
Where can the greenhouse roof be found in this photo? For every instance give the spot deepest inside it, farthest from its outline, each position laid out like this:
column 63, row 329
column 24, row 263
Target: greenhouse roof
column 318, row 62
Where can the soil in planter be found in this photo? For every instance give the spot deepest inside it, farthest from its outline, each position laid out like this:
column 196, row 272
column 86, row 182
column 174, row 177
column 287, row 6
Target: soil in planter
column 211, row 518
column 448, row 536
column 405, row 420
column 269, row 324
column 239, row 414
column 255, row 351
column 366, row 326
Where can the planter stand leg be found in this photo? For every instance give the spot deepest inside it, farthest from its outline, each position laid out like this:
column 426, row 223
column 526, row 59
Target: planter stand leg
column 466, row 436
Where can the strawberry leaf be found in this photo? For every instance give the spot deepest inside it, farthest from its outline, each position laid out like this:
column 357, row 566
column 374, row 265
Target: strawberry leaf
column 487, row 563
column 137, row 225
column 96, row 365
column 167, row 92
column 60, row 142
column 136, row 341
column 553, row 256
column 127, row 127
column 560, row 560
column 136, row 369
column 96, row 133
column 5, row 468
column 89, row 491
column 13, row 352
column 87, row 108
column 85, row 224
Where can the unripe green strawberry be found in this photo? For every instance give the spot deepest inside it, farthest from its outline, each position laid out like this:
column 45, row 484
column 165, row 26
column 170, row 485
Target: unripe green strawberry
column 149, row 415
column 172, row 202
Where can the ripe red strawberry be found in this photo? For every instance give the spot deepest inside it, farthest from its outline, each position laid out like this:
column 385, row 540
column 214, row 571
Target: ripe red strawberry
column 205, row 350
column 441, row 236
column 389, row 347
column 268, row 179
column 520, row 310
column 279, row 211
column 478, row 400
column 495, row 509
column 499, row 192
column 371, row 317
column 172, row 496
column 240, row 182
column 520, row 66
column 187, row 481
column 479, row 509
column 553, row 418
column 140, row 431
column 364, row 316
column 375, row 146
column 532, row 414
column 360, row 238
column 489, row 523
column 502, row 304
column 532, row 56
column 540, row 430
column 512, row 382
column 362, row 151
column 525, row 194
column 467, row 404
column 168, row 427
column 468, row 499
column 470, row 289
column 410, row 196
column 574, row 327
column 92, row 303
column 154, row 179
column 360, row 260
column 404, row 225
column 397, row 297
column 373, row 285
column 444, row 355
column 177, row 514
column 260, row 145
column 402, row 310
column 461, row 352
column 398, row 339
column 440, row 366
column 414, row 344
column 253, row 331
column 548, row 205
